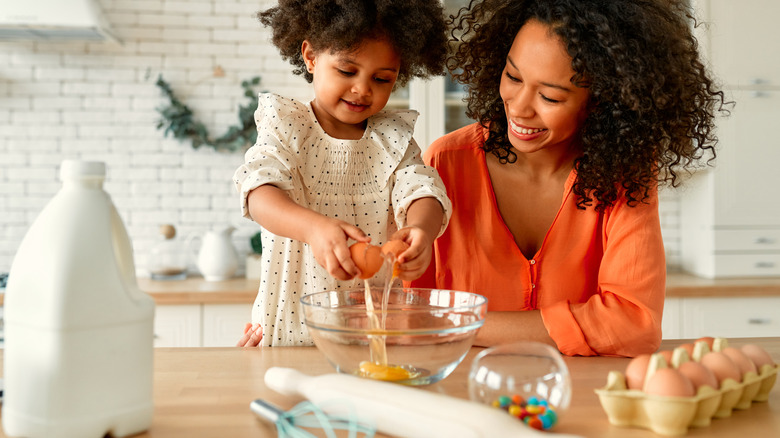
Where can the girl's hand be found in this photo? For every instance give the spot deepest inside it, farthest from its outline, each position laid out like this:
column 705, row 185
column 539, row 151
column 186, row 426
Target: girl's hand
column 253, row 334
column 415, row 260
column 328, row 241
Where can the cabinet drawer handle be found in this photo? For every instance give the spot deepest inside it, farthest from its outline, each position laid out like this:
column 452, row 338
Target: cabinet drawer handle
column 765, row 241
column 765, row 265
column 759, row 321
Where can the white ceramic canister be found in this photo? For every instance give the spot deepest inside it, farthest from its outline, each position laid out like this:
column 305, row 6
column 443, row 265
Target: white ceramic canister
column 78, row 330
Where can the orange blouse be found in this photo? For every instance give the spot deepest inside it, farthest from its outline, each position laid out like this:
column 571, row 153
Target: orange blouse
column 598, row 278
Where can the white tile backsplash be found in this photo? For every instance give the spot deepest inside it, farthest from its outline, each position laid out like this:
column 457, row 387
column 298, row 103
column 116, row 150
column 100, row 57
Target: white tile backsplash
column 97, row 101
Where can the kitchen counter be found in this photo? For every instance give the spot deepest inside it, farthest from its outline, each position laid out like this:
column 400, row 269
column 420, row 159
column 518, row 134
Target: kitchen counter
column 205, row 393
column 240, row 290
column 681, row 285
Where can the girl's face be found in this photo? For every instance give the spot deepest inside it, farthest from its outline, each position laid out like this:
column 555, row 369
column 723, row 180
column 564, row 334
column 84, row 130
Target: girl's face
column 544, row 109
column 351, row 86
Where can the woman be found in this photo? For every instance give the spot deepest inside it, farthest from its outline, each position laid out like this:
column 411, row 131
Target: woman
column 583, row 107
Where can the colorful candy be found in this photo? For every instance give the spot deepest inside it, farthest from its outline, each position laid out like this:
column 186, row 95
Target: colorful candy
column 536, row 412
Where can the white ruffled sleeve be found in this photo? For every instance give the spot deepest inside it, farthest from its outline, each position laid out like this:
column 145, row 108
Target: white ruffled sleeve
column 415, row 180
column 272, row 159
column 404, row 167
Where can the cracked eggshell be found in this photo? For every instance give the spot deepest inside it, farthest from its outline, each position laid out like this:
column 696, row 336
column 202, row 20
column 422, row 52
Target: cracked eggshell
column 395, row 247
column 367, row 257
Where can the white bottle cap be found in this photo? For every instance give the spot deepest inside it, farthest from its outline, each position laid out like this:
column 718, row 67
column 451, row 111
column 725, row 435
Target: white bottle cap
column 77, row 169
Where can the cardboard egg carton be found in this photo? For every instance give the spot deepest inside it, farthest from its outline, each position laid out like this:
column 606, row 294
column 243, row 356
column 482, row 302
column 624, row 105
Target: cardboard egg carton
column 672, row 416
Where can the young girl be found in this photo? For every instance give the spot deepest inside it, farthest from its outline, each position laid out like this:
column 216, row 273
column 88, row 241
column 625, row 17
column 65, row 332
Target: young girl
column 583, row 107
column 339, row 167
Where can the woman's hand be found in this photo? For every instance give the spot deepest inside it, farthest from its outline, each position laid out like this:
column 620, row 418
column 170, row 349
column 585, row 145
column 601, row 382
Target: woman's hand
column 253, row 335
column 328, row 241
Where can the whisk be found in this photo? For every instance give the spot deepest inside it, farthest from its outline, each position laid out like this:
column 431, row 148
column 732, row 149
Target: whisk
column 307, row 415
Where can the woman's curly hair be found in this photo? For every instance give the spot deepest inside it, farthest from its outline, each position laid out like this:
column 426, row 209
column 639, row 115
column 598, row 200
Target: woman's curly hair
column 415, row 28
column 652, row 103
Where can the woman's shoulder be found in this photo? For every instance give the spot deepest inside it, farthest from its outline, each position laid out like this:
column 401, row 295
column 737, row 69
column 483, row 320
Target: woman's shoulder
column 467, row 139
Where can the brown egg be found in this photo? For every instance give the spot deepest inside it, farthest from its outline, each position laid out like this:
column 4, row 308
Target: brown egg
column 722, row 366
column 669, row 382
column 758, row 355
column 741, row 359
column 395, row 247
column 636, row 371
column 368, row 258
column 698, row 374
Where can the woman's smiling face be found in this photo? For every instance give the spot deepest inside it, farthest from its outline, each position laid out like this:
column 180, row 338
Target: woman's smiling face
column 544, row 109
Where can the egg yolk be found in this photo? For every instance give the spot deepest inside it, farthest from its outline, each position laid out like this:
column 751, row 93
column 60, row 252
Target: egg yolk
column 389, row 373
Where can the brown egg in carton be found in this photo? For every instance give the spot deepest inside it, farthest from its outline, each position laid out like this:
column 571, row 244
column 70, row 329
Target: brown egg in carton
column 672, row 415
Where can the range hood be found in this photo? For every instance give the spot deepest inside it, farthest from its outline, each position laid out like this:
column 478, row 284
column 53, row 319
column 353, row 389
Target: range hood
column 54, row 21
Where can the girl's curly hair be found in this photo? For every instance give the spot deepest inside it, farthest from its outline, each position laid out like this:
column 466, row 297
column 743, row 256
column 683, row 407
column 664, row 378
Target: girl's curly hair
column 415, row 28
column 652, row 103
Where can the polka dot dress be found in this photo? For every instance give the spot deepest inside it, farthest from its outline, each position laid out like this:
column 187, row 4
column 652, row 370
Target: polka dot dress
column 368, row 182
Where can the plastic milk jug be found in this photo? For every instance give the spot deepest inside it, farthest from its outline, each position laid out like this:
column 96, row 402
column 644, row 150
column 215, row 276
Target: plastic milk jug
column 78, row 330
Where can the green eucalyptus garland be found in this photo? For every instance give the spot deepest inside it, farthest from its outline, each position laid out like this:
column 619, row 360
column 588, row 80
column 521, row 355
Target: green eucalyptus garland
column 179, row 120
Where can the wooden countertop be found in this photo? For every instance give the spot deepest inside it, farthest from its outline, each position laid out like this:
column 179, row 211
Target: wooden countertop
column 196, row 290
column 680, row 285
column 205, row 393
column 240, row 290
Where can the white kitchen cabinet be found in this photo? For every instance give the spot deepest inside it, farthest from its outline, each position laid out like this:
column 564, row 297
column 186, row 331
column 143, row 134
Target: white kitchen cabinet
column 744, row 44
column 177, row 326
column 200, row 325
column 670, row 323
column 224, row 323
column 727, row 317
column 743, row 317
column 730, row 215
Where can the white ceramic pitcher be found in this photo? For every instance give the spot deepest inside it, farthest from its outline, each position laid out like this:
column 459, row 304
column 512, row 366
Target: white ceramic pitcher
column 216, row 258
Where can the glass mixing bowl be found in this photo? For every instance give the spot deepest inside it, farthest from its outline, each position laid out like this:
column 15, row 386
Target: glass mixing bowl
column 419, row 337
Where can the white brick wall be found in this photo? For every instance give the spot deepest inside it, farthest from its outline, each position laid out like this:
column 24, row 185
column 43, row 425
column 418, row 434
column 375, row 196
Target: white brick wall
column 97, row 101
